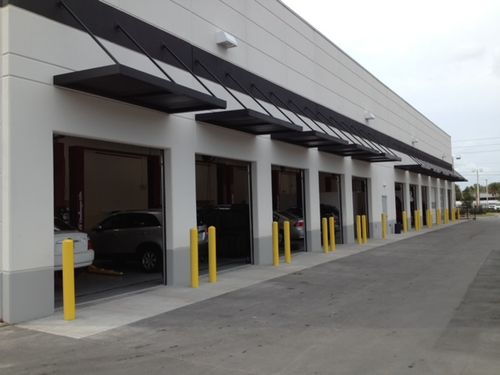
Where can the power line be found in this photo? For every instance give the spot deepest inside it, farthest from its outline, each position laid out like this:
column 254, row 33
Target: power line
column 479, row 152
column 475, row 139
column 489, row 144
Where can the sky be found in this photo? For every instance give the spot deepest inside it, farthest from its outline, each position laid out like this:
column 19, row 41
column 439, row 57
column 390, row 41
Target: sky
column 441, row 56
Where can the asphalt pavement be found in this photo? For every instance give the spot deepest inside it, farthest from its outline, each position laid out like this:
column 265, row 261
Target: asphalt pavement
column 429, row 304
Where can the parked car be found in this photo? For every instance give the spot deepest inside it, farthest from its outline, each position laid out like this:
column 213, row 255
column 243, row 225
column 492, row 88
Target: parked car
column 137, row 234
column 84, row 255
column 297, row 227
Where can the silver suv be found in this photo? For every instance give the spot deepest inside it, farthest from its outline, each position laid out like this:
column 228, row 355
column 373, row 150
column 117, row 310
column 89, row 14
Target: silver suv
column 135, row 233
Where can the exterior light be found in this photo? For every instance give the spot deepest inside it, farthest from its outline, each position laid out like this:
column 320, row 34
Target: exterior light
column 368, row 117
column 225, row 40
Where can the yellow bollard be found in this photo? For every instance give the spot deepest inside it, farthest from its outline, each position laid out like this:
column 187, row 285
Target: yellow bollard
column 438, row 216
column 276, row 249
column 324, row 230
column 415, row 213
column 453, row 214
column 69, row 301
column 195, row 273
column 288, row 248
column 429, row 219
column 446, row 216
column 331, row 225
column 358, row 229
column 458, row 213
column 405, row 222
column 212, row 255
column 364, row 229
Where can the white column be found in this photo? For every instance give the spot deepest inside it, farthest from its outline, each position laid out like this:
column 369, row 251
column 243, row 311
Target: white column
column 347, row 208
column 313, row 220
column 180, row 211
column 262, row 211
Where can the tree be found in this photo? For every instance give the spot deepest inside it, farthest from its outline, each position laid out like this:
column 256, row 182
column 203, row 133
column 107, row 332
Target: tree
column 458, row 193
column 467, row 197
column 494, row 189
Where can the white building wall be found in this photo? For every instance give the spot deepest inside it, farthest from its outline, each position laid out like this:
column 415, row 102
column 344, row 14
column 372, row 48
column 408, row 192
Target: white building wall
column 3, row 120
column 274, row 43
column 283, row 48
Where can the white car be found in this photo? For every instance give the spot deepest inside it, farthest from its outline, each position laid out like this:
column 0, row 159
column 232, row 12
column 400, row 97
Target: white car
column 84, row 255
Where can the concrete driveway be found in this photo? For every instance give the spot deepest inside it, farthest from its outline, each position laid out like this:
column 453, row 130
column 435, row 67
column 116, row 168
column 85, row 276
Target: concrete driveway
column 425, row 305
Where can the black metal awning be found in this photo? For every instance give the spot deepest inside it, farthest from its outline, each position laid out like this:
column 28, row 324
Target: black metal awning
column 249, row 121
column 377, row 158
column 129, row 85
column 310, row 138
column 432, row 170
column 360, row 152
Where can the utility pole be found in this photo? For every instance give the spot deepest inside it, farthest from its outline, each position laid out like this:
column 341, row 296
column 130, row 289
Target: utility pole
column 477, row 170
column 477, row 189
column 486, row 193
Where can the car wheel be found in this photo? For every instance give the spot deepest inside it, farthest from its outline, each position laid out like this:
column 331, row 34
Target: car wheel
column 150, row 260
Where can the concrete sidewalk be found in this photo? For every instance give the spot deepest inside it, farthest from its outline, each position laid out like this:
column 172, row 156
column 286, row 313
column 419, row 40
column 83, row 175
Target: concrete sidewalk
column 102, row 315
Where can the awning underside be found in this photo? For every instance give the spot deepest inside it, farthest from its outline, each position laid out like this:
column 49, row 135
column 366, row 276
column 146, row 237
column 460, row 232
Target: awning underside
column 432, row 170
column 129, row 85
column 249, row 121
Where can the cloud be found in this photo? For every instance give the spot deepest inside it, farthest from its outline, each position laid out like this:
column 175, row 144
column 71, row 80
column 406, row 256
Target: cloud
column 468, row 53
column 496, row 65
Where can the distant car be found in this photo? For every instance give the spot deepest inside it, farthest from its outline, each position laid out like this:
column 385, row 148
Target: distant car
column 137, row 234
column 297, row 227
column 84, row 255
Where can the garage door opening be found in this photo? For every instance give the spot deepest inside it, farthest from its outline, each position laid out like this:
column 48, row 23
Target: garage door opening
column 288, row 205
column 330, row 198
column 425, row 204
column 413, row 203
column 108, row 198
column 400, row 202
column 360, row 201
column 223, row 200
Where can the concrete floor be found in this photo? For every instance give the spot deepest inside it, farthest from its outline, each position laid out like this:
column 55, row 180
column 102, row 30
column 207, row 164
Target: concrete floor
column 429, row 304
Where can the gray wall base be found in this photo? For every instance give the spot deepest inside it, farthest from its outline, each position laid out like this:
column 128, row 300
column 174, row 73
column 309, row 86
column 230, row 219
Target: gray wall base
column 263, row 251
column 349, row 234
column 314, row 240
column 27, row 295
column 376, row 230
column 179, row 266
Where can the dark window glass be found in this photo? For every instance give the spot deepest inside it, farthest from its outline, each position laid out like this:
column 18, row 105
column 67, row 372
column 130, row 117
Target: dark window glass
column 60, row 225
column 139, row 220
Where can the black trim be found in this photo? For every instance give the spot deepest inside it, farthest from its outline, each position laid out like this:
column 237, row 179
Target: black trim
column 102, row 18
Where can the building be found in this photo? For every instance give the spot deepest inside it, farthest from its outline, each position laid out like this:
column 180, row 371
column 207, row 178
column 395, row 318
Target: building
column 225, row 113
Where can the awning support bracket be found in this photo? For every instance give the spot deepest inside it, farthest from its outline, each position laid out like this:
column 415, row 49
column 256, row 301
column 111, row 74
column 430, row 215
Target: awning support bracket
column 136, row 43
column 65, row 6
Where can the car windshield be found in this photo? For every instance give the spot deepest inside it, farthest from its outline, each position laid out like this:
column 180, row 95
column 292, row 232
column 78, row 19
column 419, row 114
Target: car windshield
column 60, row 225
column 289, row 215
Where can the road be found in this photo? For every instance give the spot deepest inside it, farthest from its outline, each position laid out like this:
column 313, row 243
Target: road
column 425, row 305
